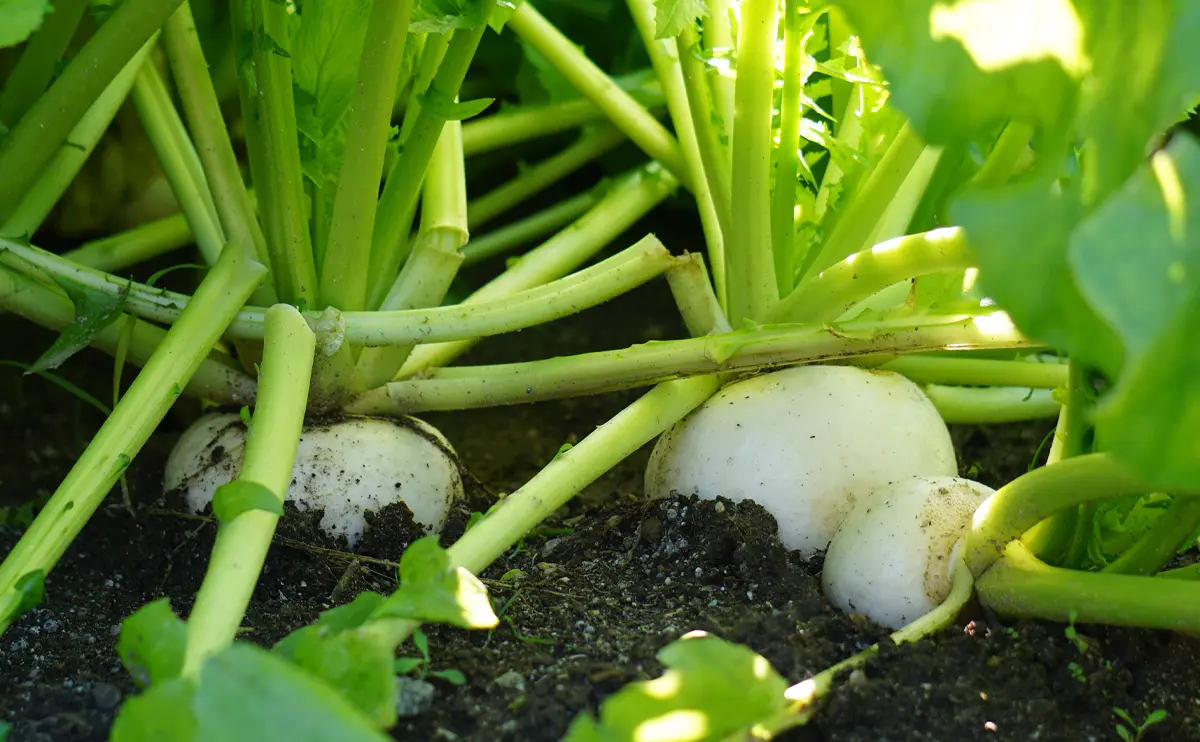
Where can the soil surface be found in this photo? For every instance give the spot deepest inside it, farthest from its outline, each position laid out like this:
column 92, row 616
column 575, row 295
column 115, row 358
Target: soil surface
column 586, row 601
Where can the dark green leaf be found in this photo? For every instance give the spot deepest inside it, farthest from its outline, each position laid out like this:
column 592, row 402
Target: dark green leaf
column 240, row 495
column 431, row 591
column 454, row 677
column 405, row 665
column 1136, row 259
column 444, row 16
column 327, row 42
column 353, row 614
column 672, row 16
column 31, row 591
column 246, row 693
column 161, row 714
column 5, row 730
column 712, row 687
column 94, row 310
column 443, row 106
column 152, row 644
column 959, row 69
column 20, row 18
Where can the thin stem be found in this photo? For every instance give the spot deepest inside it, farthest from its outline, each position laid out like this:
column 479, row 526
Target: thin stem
column 490, row 133
column 592, row 145
column 30, row 144
column 1010, row 146
column 1021, row 586
column 432, row 54
column 344, row 271
column 281, row 197
column 750, row 262
column 180, row 162
column 979, row 371
column 627, row 202
column 218, row 379
column 861, row 217
column 524, row 231
column 1158, row 546
column 718, row 37
column 223, row 290
column 621, row 108
column 210, row 133
column 1032, row 497
column 397, row 205
column 664, row 55
column 39, row 60
column 828, row 295
column 642, row 365
column 139, row 244
column 787, row 165
column 39, row 200
column 242, row 543
column 982, row 406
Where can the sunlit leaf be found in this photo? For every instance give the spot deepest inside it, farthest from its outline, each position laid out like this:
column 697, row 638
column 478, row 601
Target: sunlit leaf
column 20, row 18
column 433, row 591
column 672, row 16
column 444, row 16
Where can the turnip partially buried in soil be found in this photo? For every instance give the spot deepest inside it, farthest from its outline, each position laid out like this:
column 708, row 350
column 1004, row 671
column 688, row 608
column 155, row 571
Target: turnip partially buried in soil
column 344, row 468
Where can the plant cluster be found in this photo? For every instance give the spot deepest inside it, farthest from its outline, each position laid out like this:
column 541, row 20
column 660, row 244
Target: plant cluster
column 986, row 203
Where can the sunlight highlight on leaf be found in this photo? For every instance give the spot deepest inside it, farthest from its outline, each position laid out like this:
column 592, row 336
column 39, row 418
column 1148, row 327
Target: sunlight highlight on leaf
column 1174, row 200
column 1001, row 33
column 673, row 726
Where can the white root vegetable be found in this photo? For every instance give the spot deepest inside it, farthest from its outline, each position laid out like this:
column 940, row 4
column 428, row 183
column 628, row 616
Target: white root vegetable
column 893, row 558
column 806, row 443
column 345, row 468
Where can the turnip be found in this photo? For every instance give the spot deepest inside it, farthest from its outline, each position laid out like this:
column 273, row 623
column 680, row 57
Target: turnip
column 344, row 468
column 806, row 443
column 893, row 558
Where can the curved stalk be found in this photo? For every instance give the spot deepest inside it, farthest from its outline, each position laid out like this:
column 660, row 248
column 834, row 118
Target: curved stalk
column 985, row 405
column 979, row 371
column 525, row 231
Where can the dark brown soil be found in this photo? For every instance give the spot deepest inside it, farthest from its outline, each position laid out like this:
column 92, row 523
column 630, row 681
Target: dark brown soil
column 587, row 600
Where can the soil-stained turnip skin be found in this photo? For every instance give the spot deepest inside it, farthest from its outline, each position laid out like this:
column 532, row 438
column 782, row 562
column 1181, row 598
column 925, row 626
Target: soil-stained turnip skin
column 344, row 468
column 893, row 558
column 805, row 443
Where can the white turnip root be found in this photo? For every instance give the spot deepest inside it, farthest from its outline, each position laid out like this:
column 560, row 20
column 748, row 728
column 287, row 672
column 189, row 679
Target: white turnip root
column 345, row 469
column 893, row 558
column 806, row 443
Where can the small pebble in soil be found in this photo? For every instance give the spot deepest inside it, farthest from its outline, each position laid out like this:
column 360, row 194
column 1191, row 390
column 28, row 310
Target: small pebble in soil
column 511, row 680
column 106, row 696
column 413, row 697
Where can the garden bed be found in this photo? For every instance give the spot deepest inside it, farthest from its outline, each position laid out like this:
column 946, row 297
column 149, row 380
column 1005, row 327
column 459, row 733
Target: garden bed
column 587, row 601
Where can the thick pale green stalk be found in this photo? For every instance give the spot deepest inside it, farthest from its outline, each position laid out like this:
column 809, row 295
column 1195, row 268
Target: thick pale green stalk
column 1021, row 586
column 347, row 257
column 490, row 133
column 664, row 55
column 435, row 260
column 899, row 213
column 281, row 197
column 133, row 246
column 829, row 294
column 750, row 263
column 860, row 219
column 1010, row 146
column 218, row 379
column 25, row 151
column 629, row 200
column 693, row 292
column 593, row 144
column 64, row 166
column 982, row 406
column 621, row 108
column 211, row 135
column 787, row 160
column 523, row 232
column 718, row 37
column 458, row 388
column 180, row 162
column 39, row 60
column 223, row 290
column 1030, row 498
column 979, row 371
column 242, row 543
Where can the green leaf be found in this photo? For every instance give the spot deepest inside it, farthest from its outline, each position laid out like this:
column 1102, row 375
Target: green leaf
column 357, row 664
column 672, row 16
column 959, row 69
column 353, row 614
column 1137, row 259
column 405, row 665
column 20, row 18
column 431, row 591
column 240, row 495
column 94, row 311
column 31, row 591
column 444, row 16
column 451, row 676
column 152, row 644
column 711, row 689
column 5, row 730
column 161, row 714
column 443, row 106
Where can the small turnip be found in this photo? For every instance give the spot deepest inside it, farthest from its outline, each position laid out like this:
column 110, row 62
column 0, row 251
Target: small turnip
column 893, row 558
column 806, row 443
column 344, row 468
